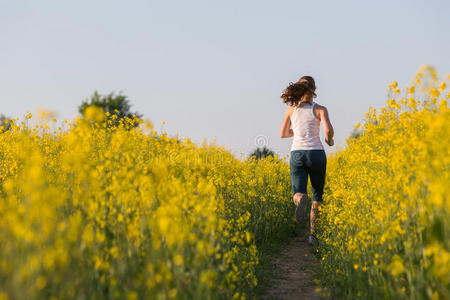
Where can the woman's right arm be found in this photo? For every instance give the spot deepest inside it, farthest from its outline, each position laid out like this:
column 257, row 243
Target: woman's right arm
column 327, row 127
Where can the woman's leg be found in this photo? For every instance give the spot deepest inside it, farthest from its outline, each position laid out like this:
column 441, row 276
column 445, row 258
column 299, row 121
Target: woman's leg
column 299, row 180
column 317, row 175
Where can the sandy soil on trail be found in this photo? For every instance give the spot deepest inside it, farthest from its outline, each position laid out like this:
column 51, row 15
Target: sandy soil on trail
column 293, row 275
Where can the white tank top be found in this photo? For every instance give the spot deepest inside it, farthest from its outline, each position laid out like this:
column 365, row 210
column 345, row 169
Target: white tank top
column 306, row 128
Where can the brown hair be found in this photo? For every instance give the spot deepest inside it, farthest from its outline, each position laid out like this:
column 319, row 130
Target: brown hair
column 301, row 91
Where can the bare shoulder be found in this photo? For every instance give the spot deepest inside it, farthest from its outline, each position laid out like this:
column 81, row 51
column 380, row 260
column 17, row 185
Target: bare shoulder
column 320, row 108
column 289, row 110
column 320, row 112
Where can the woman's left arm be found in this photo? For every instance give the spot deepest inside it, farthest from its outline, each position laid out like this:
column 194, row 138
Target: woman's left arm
column 286, row 130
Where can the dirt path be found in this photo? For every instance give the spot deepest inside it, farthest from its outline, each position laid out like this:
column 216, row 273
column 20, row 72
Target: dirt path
column 293, row 275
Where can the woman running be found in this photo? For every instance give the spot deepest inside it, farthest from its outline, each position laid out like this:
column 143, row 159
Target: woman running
column 307, row 156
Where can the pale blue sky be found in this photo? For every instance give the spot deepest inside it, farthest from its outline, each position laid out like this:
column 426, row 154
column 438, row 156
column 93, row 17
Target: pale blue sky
column 216, row 68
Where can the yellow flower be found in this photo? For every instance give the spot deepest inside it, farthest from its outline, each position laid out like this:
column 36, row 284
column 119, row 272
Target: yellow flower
column 94, row 113
column 396, row 266
column 178, row 260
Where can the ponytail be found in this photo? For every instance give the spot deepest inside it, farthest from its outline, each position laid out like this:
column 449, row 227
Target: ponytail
column 302, row 91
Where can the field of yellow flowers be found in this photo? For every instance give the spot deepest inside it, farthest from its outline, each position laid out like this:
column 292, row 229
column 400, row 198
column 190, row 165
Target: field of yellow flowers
column 92, row 211
column 95, row 210
column 385, row 225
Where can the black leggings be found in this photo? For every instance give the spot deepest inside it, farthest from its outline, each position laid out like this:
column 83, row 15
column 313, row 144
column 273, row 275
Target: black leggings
column 308, row 162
